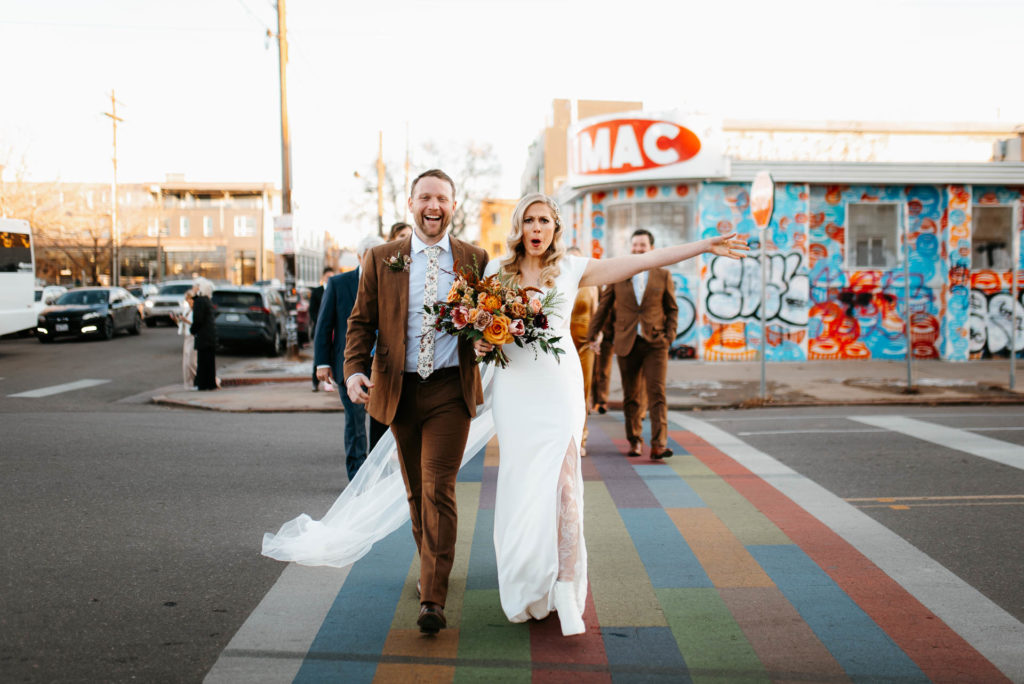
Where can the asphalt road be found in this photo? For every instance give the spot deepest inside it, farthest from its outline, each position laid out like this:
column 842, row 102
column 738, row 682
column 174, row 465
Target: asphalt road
column 131, row 532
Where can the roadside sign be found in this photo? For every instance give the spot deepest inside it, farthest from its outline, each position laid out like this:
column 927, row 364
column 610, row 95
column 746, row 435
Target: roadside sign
column 762, row 199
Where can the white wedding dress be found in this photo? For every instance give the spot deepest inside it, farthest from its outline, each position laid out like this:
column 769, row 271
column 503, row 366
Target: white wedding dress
column 539, row 411
column 536, row 406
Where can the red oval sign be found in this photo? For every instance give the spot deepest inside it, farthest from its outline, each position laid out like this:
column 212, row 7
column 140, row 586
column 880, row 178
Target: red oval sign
column 626, row 145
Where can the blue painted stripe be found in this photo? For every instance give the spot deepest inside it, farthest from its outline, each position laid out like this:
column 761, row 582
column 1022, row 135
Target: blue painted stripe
column 669, row 489
column 665, row 554
column 644, row 654
column 861, row 647
column 361, row 616
column 482, row 572
column 474, row 470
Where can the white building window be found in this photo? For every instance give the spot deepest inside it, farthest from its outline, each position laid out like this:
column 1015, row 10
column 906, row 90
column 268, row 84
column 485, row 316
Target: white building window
column 183, row 226
column 153, row 229
column 165, row 230
column 245, row 226
column 872, row 236
column 991, row 237
column 207, row 226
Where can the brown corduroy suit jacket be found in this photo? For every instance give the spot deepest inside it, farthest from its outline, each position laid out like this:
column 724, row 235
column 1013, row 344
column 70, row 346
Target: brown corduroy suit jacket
column 380, row 316
column 656, row 314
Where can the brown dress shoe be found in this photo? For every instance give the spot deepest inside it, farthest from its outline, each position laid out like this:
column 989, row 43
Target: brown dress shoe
column 664, row 453
column 431, row 619
column 601, row 408
column 635, row 449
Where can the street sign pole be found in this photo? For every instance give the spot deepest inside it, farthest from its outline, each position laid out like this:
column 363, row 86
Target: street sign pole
column 906, row 295
column 1014, row 265
column 762, row 200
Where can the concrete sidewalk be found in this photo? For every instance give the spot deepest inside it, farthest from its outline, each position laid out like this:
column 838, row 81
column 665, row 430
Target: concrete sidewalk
column 276, row 385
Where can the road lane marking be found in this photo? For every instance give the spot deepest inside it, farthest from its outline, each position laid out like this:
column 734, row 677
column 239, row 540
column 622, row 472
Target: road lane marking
column 995, row 633
column 908, row 502
column 953, row 438
column 804, row 432
column 58, row 389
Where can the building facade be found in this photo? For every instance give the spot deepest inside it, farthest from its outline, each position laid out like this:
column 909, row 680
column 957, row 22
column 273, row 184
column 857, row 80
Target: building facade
column 495, row 225
column 855, row 250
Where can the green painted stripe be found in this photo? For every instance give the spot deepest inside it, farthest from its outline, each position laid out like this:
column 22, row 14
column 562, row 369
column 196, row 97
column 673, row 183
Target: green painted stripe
column 486, row 675
column 622, row 590
column 742, row 518
column 711, row 642
column 486, row 634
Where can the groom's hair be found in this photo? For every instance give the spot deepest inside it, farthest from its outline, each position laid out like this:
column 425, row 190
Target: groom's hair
column 433, row 173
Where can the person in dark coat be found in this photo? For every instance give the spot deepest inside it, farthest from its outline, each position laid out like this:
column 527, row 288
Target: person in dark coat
column 329, row 355
column 316, row 298
column 204, row 330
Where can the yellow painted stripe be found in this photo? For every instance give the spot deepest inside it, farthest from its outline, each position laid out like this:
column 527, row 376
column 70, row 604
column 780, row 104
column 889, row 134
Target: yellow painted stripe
column 622, row 590
column 723, row 557
column 741, row 517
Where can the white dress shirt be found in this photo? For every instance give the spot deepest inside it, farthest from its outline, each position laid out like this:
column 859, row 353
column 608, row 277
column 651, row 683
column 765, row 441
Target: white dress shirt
column 446, row 347
column 639, row 285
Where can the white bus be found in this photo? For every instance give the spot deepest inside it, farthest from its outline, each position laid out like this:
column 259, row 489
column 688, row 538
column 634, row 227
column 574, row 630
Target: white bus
column 17, row 276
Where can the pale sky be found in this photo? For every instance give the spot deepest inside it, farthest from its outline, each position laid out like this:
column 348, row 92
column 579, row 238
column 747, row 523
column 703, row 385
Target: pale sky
column 198, row 79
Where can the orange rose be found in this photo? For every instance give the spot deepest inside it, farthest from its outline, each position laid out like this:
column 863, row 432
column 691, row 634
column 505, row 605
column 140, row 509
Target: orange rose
column 489, row 302
column 497, row 332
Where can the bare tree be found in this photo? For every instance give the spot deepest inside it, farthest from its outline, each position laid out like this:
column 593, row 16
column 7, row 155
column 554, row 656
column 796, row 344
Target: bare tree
column 472, row 165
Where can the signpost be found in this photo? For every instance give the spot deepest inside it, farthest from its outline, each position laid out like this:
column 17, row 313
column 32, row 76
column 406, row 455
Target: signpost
column 762, row 202
column 906, row 297
column 1014, row 265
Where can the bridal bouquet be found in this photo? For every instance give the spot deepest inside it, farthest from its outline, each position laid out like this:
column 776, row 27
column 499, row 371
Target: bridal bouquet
column 497, row 311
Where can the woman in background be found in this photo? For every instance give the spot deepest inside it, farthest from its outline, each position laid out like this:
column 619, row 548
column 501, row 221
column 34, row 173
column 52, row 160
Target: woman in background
column 204, row 330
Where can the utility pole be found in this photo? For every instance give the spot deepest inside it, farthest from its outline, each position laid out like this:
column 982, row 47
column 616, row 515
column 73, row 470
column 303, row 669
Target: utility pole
column 114, row 233
column 405, row 188
column 286, row 141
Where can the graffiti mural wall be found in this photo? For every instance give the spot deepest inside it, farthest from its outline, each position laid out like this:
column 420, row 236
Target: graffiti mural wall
column 817, row 307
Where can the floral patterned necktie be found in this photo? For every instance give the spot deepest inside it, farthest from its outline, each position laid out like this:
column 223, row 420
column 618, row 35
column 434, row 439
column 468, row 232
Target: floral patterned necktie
column 425, row 361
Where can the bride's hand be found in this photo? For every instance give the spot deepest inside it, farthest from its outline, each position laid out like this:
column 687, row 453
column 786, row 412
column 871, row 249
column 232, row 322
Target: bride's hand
column 729, row 246
column 482, row 347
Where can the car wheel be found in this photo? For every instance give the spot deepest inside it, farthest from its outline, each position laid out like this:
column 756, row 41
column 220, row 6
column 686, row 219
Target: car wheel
column 107, row 329
column 45, row 339
column 275, row 344
column 150, row 323
column 136, row 326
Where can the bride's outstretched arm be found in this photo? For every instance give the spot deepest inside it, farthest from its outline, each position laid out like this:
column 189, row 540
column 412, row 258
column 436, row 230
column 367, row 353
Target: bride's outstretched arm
column 617, row 269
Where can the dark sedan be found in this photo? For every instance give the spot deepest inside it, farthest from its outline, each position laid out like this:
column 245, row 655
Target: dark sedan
column 90, row 311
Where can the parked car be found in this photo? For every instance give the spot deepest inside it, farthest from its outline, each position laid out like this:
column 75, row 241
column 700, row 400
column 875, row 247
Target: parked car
column 143, row 291
column 99, row 311
column 166, row 301
column 246, row 314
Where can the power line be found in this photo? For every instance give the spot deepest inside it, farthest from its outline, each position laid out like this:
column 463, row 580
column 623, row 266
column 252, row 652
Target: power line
column 129, row 27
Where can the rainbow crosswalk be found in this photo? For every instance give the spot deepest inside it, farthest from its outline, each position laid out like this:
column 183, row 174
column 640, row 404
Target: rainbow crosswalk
column 700, row 570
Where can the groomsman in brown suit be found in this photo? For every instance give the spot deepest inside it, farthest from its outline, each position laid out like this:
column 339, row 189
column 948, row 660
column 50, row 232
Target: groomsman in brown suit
column 425, row 383
column 645, row 313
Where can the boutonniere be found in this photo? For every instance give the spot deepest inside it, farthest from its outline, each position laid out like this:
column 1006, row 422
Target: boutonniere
column 398, row 262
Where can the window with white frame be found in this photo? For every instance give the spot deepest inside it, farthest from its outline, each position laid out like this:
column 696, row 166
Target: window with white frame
column 207, row 226
column 872, row 235
column 153, row 229
column 669, row 222
column 245, row 226
column 991, row 237
column 165, row 229
column 184, row 225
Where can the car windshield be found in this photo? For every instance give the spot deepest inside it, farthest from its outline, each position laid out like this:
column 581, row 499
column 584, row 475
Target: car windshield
column 175, row 289
column 84, row 297
column 225, row 299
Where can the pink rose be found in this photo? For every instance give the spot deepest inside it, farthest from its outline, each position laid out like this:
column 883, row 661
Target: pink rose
column 517, row 327
column 460, row 317
column 482, row 320
column 535, row 305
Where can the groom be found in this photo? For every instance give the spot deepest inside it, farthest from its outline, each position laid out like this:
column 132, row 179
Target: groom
column 425, row 383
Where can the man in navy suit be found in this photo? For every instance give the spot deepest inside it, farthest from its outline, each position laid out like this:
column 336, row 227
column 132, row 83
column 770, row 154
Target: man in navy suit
column 329, row 352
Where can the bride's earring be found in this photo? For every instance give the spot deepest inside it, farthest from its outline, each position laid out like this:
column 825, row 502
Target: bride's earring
column 568, row 612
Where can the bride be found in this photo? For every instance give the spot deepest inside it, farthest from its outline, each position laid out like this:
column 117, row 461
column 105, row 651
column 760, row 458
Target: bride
column 536, row 407
column 539, row 412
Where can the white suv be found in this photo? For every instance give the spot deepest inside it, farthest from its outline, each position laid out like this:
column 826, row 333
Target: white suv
column 166, row 301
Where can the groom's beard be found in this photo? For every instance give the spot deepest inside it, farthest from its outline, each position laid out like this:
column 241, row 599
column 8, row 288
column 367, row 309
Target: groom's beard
column 430, row 230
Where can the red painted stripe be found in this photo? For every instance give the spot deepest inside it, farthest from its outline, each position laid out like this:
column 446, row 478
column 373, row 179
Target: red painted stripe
column 942, row 654
column 547, row 645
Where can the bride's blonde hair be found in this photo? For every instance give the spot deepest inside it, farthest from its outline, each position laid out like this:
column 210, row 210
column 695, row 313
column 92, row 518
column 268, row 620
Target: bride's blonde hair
column 511, row 266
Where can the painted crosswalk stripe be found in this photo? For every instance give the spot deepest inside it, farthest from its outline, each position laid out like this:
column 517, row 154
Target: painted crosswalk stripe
column 961, row 440
column 984, row 625
column 59, row 389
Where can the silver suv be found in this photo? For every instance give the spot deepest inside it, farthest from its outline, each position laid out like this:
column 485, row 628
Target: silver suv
column 166, row 301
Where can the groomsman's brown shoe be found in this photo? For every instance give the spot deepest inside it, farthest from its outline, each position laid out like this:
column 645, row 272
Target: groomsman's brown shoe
column 635, row 450
column 431, row 619
column 664, row 453
column 601, row 408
